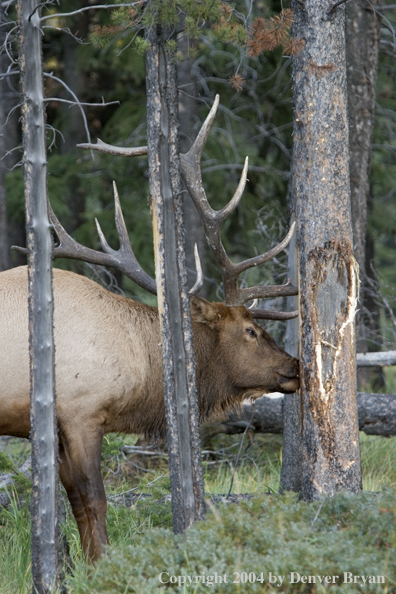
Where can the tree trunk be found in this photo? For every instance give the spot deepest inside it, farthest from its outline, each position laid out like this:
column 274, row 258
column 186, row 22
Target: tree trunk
column 41, row 347
column 8, row 137
column 4, row 247
column 181, row 403
column 362, row 48
column 328, row 280
column 291, row 471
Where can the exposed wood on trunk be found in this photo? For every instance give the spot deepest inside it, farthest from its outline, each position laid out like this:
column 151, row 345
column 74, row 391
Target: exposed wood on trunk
column 377, row 416
column 41, row 347
column 328, row 271
column 173, row 302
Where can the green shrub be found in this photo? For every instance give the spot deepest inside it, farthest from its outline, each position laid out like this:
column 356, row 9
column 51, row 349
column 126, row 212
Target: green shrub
column 268, row 533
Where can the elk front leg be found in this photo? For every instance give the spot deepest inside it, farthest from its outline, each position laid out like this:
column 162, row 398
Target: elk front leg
column 80, row 474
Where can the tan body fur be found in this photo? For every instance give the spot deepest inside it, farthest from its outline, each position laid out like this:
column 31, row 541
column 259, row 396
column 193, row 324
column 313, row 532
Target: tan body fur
column 109, row 375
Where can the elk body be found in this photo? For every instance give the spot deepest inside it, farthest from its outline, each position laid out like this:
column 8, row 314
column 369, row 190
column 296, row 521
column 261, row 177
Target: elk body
column 108, row 356
column 109, row 375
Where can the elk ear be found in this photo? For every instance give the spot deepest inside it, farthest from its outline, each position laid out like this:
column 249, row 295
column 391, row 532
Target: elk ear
column 204, row 312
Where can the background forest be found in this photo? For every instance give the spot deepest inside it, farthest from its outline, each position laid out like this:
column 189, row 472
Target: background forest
column 99, row 61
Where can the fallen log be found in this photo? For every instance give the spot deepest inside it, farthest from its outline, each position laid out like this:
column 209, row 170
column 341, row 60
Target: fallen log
column 377, row 416
column 373, row 359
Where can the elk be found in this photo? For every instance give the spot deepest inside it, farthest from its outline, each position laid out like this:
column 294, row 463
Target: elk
column 108, row 352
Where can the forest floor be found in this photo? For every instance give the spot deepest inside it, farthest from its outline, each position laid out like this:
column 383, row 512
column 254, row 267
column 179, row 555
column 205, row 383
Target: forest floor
column 249, row 539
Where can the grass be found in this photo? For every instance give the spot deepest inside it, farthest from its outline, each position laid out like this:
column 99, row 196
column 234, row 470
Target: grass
column 148, row 525
column 15, row 548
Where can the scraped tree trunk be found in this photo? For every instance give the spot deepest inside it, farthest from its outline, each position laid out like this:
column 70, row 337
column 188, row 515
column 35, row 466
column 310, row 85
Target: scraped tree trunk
column 181, row 402
column 328, row 273
column 41, row 348
column 362, row 48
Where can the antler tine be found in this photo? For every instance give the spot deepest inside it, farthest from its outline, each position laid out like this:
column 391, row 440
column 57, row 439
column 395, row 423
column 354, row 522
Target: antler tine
column 254, row 305
column 120, row 223
column 199, row 280
column 265, row 292
column 125, row 245
column 203, row 134
column 123, row 259
column 251, row 262
column 268, row 314
column 103, row 241
column 235, row 200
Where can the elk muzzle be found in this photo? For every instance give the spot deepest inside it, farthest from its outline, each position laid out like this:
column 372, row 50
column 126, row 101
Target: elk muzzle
column 289, row 380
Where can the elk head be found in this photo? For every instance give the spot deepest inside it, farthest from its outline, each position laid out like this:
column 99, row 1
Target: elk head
column 243, row 352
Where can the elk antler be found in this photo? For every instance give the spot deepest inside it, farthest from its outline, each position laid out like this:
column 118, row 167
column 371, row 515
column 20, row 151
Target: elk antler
column 212, row 220
column 199, row 280
column 123, row 259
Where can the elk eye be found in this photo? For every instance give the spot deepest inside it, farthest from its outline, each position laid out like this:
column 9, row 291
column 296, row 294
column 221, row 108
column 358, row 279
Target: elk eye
column 251, row 332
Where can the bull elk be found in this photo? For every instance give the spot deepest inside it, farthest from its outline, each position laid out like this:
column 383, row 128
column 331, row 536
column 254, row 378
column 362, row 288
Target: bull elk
column 108, row 352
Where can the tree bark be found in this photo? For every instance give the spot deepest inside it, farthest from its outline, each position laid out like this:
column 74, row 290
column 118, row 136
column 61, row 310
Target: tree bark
column 181, row 402
column 41, row 347
column 377, row 416
column 328, row 278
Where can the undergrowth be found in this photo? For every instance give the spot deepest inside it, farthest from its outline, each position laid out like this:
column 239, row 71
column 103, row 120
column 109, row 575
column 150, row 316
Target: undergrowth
column 266, row 534
column 269, row 533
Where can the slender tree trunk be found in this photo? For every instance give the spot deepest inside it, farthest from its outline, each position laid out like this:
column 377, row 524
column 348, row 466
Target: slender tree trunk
column 291, row 471
column 8, row 138
column 362, row 45
column 41, row 347
column 328, row 281
column 4, row 247
column 188, row 107
column 181, row 403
